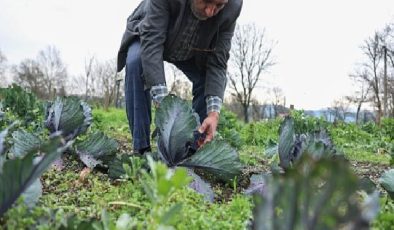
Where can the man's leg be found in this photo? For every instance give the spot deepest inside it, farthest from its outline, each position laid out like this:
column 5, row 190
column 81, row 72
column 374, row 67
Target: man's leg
column 197, row 77
column 138, row 101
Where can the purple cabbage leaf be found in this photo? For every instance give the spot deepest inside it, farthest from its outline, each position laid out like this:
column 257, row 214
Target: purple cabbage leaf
column 24, row 142
column 201, row 186
column 175, row 122
column 70, row 116
column 97, row 149
column 18, row 174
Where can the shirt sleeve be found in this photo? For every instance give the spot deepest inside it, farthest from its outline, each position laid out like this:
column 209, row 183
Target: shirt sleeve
column 214, row 104
column 158, row 92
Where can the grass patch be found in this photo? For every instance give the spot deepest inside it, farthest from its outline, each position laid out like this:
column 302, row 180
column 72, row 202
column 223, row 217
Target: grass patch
column 251, row 155
column 112, row 121
column 360, row 155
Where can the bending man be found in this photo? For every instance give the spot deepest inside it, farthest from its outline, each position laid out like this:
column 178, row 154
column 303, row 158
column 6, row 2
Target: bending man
column 194, row 35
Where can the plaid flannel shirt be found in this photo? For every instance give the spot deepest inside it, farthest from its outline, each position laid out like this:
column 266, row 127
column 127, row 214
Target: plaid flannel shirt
column 188, row 37
column 183, row 51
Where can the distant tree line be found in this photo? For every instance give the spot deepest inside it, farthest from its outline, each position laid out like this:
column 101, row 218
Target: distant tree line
column 374, row 76
column 252, row 56
column 47, row 77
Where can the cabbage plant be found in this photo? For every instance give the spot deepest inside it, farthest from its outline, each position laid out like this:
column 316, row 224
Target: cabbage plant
column 292, row 145
column 70, row 116
column 316, row 189
column 30, row 155
column 177, row 125
column 314, row 194
column 18, row 174
column 387, row 182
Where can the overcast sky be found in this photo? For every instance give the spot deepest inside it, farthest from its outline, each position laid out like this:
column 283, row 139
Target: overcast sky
column 317, row 40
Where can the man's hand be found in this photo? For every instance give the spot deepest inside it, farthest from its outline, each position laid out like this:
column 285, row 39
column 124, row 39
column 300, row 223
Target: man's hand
column 209, row 126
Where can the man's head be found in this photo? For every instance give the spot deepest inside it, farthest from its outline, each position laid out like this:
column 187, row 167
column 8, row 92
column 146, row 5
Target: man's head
column 204, row 9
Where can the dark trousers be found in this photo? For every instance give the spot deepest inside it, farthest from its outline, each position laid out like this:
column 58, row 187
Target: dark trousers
column 138, row 100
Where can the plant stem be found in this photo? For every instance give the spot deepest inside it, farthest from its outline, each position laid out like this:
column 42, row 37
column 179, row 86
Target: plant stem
column 125, row 204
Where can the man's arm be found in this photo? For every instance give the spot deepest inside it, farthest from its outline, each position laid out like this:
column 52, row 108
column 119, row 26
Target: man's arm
column 217, row 61
column 217, row 64
column 216, row 77
column 153, row 31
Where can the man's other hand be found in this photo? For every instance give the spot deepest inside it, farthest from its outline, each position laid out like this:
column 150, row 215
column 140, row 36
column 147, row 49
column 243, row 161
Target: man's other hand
column 209, row 126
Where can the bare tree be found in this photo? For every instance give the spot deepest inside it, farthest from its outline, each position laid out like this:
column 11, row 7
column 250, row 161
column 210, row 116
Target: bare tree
column 29, row 75
column 105, row 75
column 251, row 55
column 278, row 99
column 377, row 70
column 372, row 49
column 389, row 39
column 119, row 89
column 76, row 85
column 388, row 63
column 83, row 84
column 326, row 114
column 3, row 65
column 391, row 97
column 340, row 109
column 362, row 93
column 54, row 70
column 88, row 72
column 379, row 60
column 255, row 111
